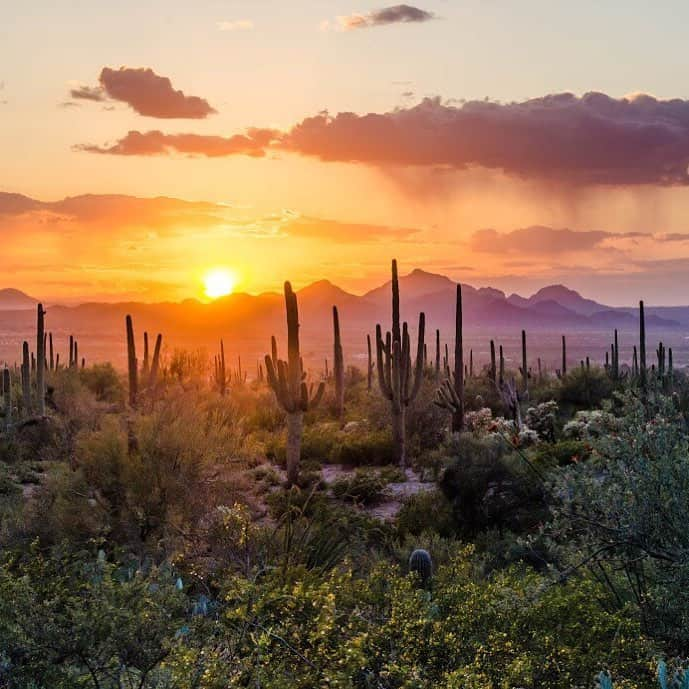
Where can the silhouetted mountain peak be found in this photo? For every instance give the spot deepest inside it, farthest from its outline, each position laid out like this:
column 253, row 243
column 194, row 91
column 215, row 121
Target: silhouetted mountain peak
column 14, row 300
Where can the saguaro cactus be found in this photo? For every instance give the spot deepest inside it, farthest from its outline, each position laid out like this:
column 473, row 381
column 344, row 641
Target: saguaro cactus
column 525, row 369
column 369, row 367
column 40, row 360
column 286, row 378
column 642, row 345
column 451, row 394
column 26, row 379
column 493, row 371
column 564, row 356
column 437, row 356
column 132, row 365
column 338, row 359
column 398, row 380
column 7, row 397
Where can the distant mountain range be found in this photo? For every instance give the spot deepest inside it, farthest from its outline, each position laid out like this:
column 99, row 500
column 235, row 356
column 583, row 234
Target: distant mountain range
column 554, row 305
column 248, row 320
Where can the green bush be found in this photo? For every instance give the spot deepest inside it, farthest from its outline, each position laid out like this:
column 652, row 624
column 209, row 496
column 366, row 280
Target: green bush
column 561, row 453
column 104, row 382
column 364, row 487
column 424, row 512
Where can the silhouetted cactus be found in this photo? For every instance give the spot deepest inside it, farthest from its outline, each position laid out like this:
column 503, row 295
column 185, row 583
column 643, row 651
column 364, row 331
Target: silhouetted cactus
column 493, row 371
column 563, row 369
column 338, row 359
column 370, row 365
column 40, row 360
column 501, row 367
column 26, row 379
column 450, row 395
column 132, row 365
column 7, row 398
column 286, row 378
column 420, row 563
column 437, row 356
column 398, row 381
column 52, row 352
column 642, row 345
column 525, row 367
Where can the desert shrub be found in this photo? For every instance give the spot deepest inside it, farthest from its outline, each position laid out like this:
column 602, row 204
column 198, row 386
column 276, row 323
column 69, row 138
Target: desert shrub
column 543, row 419
column 104, row 382
column 381, row 630
column 428, row 511
column 370, row 448
column 585, row 388
column 489, row 488
column 70, row 620
column 561, row 453
column 8, row 484
column 591, row 424
column 363, row 487
column 392, row 474
column 624, row 512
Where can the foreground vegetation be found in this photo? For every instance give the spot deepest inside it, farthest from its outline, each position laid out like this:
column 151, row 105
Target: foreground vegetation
column 162, row 529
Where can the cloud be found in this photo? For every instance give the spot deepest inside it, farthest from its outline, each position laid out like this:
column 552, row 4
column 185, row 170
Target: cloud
column 151, row 95
column 539, row 240
column 136, row 143
column 94, row 93
column 589, row 140
column 236, row 25
column 395, row 14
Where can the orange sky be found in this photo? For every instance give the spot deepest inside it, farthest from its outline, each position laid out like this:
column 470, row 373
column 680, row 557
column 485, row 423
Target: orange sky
column 220, row 111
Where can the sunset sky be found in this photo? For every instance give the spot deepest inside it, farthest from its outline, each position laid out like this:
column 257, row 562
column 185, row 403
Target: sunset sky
column 500, row 143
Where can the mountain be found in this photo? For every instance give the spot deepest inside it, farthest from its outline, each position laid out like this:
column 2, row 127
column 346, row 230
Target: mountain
column 417, row 284
column 245, row 322
column 15, row 300
column 561, row 295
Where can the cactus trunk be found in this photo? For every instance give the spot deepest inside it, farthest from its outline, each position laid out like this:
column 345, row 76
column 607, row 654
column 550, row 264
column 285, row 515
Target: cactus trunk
column 131, row 362
column 295, row 427
column 458, row 415
column 338, row 359
column 642, row 345
column 40, row 361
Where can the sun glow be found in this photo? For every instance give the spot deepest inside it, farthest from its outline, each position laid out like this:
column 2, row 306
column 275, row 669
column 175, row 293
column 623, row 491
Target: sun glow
column 219, row 282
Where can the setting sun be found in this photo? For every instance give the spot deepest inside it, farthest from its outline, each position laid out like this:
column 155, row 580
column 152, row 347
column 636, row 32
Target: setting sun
column 219, row 283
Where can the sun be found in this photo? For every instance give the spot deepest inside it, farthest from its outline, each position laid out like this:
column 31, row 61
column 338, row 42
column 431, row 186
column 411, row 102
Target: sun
column 219, row 282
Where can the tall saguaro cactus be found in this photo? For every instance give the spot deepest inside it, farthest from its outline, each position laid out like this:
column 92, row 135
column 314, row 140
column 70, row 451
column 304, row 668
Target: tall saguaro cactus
column 26, row 379
column 450, row 395
column 525, row 369
column 40, row 360
column 642, row 345
column 338, row 359
column 286, row 378
column 132, row 366
column 399, row 381
column 370, row 366
column 7, row 397
column 564, row 356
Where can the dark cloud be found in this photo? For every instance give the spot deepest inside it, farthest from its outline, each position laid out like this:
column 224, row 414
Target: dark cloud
column 135, row 143
column 395, row 14
column 94, row 93
column 151, row 95
column 589, row 140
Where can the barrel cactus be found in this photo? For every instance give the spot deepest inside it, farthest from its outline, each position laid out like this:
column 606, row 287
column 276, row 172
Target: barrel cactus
column 420, row 562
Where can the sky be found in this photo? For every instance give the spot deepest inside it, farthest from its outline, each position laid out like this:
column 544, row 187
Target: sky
column 500, row 143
